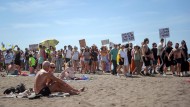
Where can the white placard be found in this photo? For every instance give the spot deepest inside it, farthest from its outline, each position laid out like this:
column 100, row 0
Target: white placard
column 164, row 33
column 105, row 42
column 126, row 37
column 33, row 47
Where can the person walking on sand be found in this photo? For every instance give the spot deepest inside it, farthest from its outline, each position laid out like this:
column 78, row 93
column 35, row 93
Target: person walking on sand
column 178, row 54
column 159, row 54
column 166, row 62
column 46, row 83
column 113, row 58
column 146, row 56
column 185, row 63
column 123, row 62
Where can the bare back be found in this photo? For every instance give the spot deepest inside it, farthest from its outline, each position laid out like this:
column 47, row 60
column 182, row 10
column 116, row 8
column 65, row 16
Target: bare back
column 40, row 80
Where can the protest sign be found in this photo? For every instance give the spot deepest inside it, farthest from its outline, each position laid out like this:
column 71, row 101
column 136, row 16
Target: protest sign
column 126, row 37
column 105, row 42
column 164, row 33
column 33, row 47
column 82, row 43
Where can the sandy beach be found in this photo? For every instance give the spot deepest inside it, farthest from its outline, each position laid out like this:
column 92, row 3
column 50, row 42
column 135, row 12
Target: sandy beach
column 109, row 91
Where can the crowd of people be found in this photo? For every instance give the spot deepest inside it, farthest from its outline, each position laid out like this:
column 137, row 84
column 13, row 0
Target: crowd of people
column 120, row 59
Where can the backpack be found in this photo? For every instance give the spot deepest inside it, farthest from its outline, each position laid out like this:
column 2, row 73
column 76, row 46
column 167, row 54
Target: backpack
column 18, row 89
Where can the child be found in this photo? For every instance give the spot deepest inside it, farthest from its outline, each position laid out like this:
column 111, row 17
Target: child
column 32, row 64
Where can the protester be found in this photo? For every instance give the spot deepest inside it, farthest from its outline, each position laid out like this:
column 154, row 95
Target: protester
column 155, row 57
column 113, row 58
column 159, row 54
column 185, row 63
column 146, row 56
column 94, row 58
column 168, row 63
column 86, row 55
column 32, row 64
column 137, row 59
column 178, row 54
column 41, row 56
column 123, row 62
column 103, row 55
column 75, row 58
column 26, row 57
column 59, row 61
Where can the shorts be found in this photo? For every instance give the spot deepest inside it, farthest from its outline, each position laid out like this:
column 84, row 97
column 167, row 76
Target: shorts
column 86, row 60
column 18, row 62
column 179, row 60
column 45, row 91
column 169, row 63
column 146, row 62
column 121, row 62
column 67, row 59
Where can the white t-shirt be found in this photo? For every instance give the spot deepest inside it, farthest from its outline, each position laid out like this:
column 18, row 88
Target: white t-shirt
column 123, row 54
column 8, row 58
column 68, row 53
column 160, row 47
column 75, row 55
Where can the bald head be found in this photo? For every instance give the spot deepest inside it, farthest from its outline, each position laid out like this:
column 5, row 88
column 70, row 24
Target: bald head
column 46, row 65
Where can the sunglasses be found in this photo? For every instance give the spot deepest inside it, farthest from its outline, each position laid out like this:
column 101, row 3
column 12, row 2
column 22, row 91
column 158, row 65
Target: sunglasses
column 52, row 67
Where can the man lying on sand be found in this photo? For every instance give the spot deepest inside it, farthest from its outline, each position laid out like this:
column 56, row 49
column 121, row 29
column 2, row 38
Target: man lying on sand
column 46, row 83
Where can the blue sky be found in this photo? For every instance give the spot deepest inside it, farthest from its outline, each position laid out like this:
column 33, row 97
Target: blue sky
column 25, row 22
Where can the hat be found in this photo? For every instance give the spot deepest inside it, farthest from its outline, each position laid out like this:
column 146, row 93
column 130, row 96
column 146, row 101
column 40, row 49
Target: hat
column 135, row 45
column 75, row 47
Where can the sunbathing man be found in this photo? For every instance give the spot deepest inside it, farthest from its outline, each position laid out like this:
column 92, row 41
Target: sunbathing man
column 177, row 52
column 12, row 69
column 46, row 83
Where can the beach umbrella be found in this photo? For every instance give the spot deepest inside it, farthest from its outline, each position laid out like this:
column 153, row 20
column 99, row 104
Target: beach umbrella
column 49, row 42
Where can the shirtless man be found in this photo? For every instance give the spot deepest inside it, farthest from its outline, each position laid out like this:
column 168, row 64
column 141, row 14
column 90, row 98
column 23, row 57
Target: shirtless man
column 177, row 52
column 46, row 83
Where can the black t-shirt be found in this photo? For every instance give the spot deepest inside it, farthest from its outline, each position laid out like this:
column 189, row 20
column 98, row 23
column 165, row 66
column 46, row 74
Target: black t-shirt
column 185, row 52
column 27, row 55
column 154, row 50
column 168, row 50
column 94, row 55
column 17, row 56
column 129, row 53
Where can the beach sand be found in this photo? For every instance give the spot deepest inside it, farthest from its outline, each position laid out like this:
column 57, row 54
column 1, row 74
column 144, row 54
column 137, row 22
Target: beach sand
column 109, row 91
